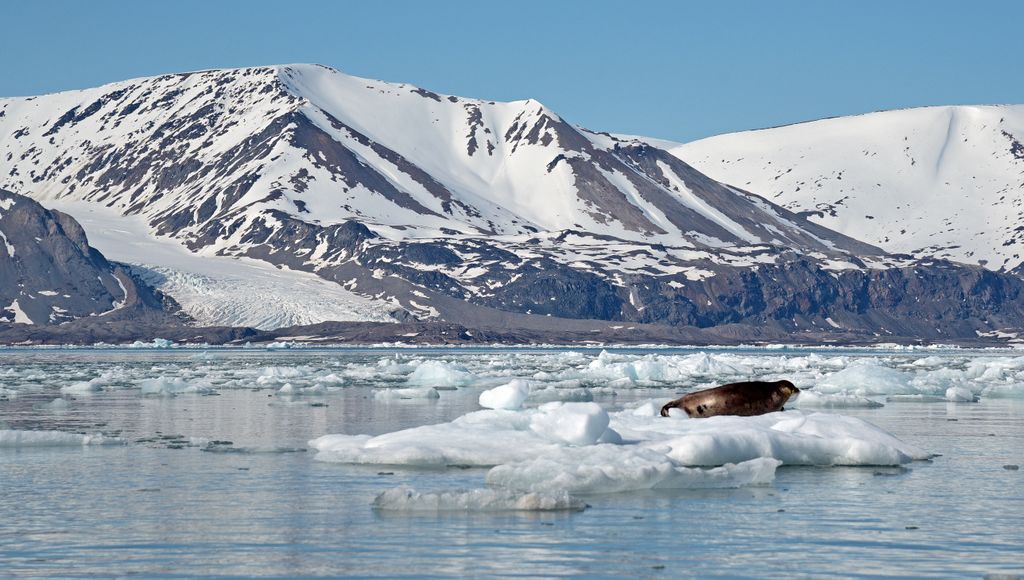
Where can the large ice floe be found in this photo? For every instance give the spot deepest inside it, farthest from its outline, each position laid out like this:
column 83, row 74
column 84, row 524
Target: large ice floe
column 582, row 448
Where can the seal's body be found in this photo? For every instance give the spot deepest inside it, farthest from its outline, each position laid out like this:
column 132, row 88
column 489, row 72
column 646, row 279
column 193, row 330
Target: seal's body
column 744, row 399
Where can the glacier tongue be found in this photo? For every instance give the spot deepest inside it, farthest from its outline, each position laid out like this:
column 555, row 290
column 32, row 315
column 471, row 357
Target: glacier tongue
column 221, row 290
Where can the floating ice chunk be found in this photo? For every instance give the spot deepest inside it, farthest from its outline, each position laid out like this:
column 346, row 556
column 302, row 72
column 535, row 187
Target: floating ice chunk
column 960, row 395
column 407, row 393
column 610, row 469
column 331, row 379
column 931, row 362
column 661, row 369
column 1011, row 391
column 865, row 379
column 169, row 386
column 290, row 390
column 155, row 343
column 994, row 369
column 571, row 423
column 434, row 373
column 18, row 438
column 95, row 384
column 408, row 499
column 507, row 396
column 287, row 390
column 83, row 387
column 278, row 375
column 809, row 399
column 280, row 345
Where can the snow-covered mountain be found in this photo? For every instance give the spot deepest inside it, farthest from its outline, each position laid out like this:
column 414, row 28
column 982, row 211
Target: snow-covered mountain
column 205, row 156
column 933, row 182
column 492, row 215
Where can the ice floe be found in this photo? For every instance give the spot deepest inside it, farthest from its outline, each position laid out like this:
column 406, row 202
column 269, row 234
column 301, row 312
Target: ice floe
column 809, row 399
column 435, row 373
column 864, row 379
column 582, row 448
column 508, row 396
column 106, row 379
column 169, row 386
column 155, row 343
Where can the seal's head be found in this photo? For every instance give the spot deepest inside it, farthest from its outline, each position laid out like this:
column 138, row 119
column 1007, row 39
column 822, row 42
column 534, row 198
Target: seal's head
column 788, row 389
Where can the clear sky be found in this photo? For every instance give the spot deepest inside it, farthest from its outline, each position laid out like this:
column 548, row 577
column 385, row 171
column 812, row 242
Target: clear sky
column 676, row 70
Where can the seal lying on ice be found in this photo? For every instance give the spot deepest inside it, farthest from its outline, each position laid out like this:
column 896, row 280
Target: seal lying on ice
column 745, row 399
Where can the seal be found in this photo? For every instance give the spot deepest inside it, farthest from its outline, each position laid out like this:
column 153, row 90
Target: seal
column 744, row 399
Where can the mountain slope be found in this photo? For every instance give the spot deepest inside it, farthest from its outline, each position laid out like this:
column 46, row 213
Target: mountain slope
column 933, row 182
column 491, row 215
column 228, row 146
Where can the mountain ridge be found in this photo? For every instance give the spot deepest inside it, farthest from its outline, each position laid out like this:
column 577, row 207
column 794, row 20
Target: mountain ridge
column 478, row 212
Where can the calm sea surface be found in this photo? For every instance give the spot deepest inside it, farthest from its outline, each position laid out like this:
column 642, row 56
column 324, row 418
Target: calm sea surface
column 166, row 502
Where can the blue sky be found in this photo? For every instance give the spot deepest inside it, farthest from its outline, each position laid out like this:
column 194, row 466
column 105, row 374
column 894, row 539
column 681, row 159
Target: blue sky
column 675, row 70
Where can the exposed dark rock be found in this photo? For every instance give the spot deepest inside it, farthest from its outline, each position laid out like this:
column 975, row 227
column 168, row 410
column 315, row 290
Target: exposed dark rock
column 49, row 275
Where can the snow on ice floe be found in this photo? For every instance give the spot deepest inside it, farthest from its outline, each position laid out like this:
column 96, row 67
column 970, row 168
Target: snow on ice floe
column 105, row 380
column 581, row 448
column 865, row 379
column 509, row 396
column 169, row 386
column 408, row 499
column 515, row 394
column 434, row 373
column 10, row 438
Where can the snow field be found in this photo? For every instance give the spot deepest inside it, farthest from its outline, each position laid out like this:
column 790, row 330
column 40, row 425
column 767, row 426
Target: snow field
column 949, row 176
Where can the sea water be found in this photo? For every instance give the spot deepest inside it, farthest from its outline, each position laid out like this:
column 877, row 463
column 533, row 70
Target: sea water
column 190, row 462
